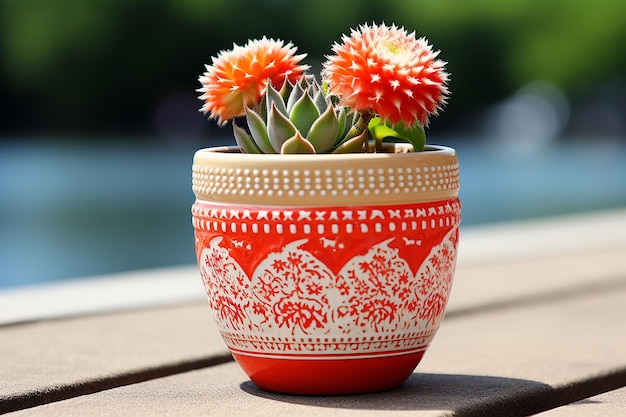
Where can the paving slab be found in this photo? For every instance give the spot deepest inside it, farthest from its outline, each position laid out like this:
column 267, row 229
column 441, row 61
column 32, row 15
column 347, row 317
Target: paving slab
column 519, row 361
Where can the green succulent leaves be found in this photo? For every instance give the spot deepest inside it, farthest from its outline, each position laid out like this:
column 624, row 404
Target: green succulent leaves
column 298, row 119
column 297, row 144
column 304, row 113
column 323, row 131
column 279, row 128
column 302, row 118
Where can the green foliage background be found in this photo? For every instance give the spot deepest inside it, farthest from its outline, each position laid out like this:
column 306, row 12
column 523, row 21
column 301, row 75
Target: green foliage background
column 103, row 66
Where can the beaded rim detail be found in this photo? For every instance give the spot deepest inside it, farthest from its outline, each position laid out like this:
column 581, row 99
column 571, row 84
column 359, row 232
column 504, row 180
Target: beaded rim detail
column 224, row 175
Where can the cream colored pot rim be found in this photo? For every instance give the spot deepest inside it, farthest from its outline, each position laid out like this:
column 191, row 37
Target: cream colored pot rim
column 399, row 176
column 393, row 149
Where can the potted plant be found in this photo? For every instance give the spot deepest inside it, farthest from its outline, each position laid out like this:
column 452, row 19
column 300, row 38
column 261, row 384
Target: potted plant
column 326, row 239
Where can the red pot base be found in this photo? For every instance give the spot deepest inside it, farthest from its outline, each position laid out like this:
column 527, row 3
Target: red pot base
column 329, row 377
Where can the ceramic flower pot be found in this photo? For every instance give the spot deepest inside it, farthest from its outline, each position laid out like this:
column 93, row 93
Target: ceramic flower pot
column 327, row 274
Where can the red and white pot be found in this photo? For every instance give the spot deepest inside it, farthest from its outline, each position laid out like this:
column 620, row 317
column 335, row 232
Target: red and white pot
column 327, row 274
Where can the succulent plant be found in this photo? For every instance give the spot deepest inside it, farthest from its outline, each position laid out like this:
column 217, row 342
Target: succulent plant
column 381, row 83
column 300, row 118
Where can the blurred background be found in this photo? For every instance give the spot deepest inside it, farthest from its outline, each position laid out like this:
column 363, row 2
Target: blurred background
column 99, row 116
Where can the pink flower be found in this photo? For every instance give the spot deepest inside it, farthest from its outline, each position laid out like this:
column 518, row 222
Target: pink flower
column 389, row 72
column 237, row 78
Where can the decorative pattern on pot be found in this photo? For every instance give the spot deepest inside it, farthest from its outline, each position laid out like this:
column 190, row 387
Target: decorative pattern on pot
column 313, row 275
column 332, row 282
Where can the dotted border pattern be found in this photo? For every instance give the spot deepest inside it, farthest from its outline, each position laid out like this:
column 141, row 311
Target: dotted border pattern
column 387, row 344
column 224, row 174
column 345, row 182
column 222, row 219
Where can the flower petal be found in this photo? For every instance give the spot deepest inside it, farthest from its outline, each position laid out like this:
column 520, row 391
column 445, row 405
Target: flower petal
column 385, row 70
column 237, row 78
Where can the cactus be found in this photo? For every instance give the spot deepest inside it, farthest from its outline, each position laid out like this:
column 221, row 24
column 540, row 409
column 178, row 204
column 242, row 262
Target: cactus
column 301, row 118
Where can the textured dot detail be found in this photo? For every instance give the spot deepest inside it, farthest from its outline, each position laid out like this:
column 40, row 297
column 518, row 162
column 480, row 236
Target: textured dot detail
column 345, row 182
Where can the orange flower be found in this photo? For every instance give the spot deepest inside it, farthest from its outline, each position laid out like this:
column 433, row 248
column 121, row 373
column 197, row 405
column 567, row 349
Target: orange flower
column 386, row 71
column 237, row 78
